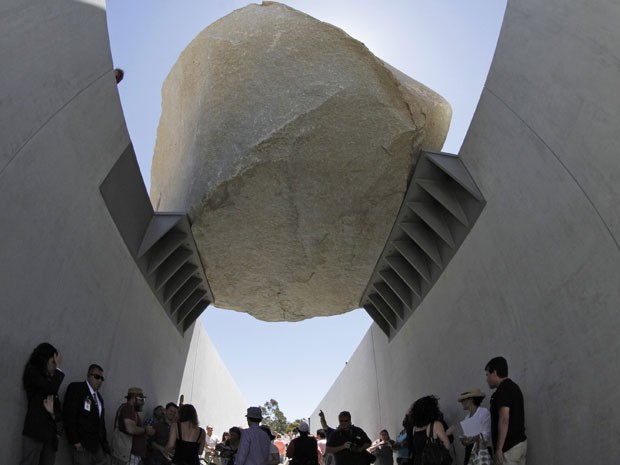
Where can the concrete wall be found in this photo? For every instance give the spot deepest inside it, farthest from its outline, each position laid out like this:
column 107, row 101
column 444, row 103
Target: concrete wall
column 537, row 279
column 66, row 275
column 207, row 385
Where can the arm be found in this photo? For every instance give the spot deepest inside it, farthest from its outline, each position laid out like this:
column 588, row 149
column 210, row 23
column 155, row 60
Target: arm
column 364, row 438
column 336, row 449
column 243, row 450
column 172, row 440
column 35, row 381
column 323, row 422
column 375, row 446
column 502, row 431
column 70, row 415
column 440, row 433
column 203, row 441
column 361, row 448
column 485, row 434
column 132, row 428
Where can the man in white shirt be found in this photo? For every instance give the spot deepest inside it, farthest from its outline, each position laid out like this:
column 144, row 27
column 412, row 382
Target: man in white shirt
column 211, row 440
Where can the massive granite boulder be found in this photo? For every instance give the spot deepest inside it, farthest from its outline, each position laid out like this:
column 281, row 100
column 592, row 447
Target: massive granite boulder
column 290, row 146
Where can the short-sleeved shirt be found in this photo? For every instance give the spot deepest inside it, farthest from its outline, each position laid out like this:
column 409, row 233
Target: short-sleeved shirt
column 508, row 394
column 357, row 436
column 138, row 443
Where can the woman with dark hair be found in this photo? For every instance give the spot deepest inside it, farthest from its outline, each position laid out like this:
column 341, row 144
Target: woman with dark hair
column 42, row 378
column 186, row 437
column 228, row 448
column 427, row 423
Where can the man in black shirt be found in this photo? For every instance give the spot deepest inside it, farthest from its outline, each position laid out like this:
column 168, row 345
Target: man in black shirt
column 507, row 415
column 348, row 443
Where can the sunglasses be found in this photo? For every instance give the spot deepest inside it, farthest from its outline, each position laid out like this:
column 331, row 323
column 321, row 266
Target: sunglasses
column 97, row 377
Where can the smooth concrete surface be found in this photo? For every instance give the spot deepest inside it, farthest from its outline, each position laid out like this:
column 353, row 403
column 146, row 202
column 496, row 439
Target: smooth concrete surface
column 207, row 385
column 67, row 277
column 537, row 278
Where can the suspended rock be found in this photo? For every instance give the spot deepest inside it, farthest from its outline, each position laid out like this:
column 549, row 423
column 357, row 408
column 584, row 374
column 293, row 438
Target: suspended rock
column 290, row 146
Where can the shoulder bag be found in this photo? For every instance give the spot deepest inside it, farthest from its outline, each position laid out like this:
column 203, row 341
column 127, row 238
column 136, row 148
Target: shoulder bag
column 434, row 452
column 120, row 443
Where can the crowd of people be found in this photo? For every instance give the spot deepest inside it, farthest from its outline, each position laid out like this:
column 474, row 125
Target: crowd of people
column 173, row 434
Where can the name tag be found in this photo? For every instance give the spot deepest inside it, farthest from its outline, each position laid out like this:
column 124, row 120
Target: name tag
column 87, row 404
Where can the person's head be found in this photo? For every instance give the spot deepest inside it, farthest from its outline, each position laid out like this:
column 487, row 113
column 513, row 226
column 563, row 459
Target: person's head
column 119, row 74
column 235, row 434
column 43, row 358
column 135, row 396
column 303, row 428
column 94, row 376
column 171, row 412
column 344, row 420
column 187, row 412
column 471, row 399
column 384, row 435
column 254, row 415
column 425, row 411
column 407, row 421
column 320, row 433
column 496, row 371
column 225, row 436
column 159, row 413
column 209, row 430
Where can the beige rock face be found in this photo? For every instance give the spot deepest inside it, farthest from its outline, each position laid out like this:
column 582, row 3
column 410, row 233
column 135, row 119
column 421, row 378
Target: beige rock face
column 290, row 146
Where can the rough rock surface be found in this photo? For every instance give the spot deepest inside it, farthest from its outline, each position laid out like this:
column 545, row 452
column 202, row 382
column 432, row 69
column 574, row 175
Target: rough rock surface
column 290, row 146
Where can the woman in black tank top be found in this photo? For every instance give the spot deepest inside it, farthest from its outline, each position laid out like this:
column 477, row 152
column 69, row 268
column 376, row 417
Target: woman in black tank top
column 186, row 438
column 427, row 423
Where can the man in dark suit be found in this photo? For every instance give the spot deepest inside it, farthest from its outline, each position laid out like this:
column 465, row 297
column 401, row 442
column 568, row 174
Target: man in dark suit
column 84, row 417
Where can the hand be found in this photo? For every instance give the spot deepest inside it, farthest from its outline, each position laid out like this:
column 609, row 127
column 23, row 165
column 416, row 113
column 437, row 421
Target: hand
column 149, row 430
column 347, row 445
column 321, row 414
column 499, row 458
column 181, row 399
column 78, row 446
column 48, row 403
column 58, row 359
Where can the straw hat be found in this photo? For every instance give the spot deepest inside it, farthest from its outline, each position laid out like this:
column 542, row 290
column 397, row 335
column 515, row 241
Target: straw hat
column 470, row 393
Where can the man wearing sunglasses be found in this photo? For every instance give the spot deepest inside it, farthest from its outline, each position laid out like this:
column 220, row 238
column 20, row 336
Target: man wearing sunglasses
column 84, row 418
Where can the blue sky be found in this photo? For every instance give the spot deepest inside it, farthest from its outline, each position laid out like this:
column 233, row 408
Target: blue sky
column 445, row 44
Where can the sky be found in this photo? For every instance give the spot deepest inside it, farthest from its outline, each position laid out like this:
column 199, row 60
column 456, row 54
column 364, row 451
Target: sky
column 447, row 45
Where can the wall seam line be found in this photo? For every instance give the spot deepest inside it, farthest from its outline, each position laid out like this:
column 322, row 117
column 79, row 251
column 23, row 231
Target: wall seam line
column 559, row 160
column 46, row 122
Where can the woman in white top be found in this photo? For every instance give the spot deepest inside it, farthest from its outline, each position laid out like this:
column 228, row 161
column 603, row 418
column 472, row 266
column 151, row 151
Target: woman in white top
column 471, row 400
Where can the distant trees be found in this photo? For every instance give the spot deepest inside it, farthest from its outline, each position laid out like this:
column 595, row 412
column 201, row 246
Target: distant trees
column 274, row 417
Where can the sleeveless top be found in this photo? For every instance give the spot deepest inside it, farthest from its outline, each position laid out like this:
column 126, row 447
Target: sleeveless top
column 186, row 452
column 419, row 441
